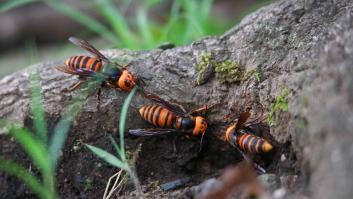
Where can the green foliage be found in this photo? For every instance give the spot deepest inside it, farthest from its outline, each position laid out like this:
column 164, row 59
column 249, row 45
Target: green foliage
column 228, row 71
column 43, row 156
column 21, row 173
column 9, row 5
column 63, row 126
column 108, row 157
column 32, row 146
column 121, row 161
column 83, row 19
column 185, row 22
column 280, row 103
column 38, row 113
column 122, row 122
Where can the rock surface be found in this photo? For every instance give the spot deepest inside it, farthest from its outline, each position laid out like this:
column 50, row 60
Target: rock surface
column 305, row 47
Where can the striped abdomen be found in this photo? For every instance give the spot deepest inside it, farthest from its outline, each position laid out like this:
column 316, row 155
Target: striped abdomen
column 158, row 116
column 247, row 142
column 164, row 118
column 85, row 63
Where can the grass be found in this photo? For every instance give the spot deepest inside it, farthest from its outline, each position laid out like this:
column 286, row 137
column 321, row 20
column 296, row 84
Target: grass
column 280, row 103
column 120, row 160
column 44, row 152
column 185, row 22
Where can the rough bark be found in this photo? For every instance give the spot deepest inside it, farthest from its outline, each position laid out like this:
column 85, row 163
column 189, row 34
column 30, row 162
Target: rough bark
column 303, row 46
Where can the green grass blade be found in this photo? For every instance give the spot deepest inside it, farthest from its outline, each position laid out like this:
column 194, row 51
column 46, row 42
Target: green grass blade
column 206, row 6
column 63, row 126
column 122, row 122
column 151, row 3
column 125, row 6
column 11, row 4
column 115, row 145
column 173, row 19
column 83, row 19
column 144, row 28
column 32, row 146
column 118, row 22
column 37, row 108
column 21, row 173
column 31, row 51
column 108, row 157
column 195, row 24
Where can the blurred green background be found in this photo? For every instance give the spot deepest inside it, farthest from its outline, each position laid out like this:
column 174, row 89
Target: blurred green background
column 34, row 30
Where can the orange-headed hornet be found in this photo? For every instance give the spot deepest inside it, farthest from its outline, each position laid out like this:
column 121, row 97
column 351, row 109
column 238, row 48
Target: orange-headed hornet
column 242, row 135
column 170, row 117
column 88, row 67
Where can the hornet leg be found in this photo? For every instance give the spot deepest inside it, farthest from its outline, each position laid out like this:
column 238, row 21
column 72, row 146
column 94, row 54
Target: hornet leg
column 72, row 87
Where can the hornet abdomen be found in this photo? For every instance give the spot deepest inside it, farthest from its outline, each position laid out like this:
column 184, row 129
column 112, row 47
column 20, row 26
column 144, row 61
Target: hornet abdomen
column 158, row 116
column 164, row 118
column 246, row 141
column 84, row 63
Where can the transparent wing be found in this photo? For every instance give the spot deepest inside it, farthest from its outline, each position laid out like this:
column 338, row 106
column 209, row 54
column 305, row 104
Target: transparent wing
column 151, row 132
column 87, row 46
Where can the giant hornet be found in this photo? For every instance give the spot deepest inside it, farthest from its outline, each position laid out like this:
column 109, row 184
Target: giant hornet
column 169, row 118
column 243, row 136
column 88, row 67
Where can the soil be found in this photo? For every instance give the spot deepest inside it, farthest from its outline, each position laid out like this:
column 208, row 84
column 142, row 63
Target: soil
column 82, row 175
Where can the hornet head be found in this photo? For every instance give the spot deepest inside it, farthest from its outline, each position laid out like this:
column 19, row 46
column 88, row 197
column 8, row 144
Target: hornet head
column 200, row 126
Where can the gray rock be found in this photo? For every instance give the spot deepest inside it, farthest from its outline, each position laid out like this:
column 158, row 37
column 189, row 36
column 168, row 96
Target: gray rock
column 289, row 181
column 269, row 181
column 206, row 187
column 304, row 46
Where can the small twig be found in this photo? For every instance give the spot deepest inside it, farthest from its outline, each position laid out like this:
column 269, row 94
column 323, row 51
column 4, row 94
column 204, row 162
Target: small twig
column 114, row 187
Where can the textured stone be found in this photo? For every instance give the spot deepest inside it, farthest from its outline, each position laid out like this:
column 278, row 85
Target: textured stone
column 304, row 46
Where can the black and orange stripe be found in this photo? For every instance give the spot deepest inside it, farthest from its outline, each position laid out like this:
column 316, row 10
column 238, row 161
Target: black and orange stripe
column 247, row 142
column 159, row 116
column 169, row 121
column 84, row 62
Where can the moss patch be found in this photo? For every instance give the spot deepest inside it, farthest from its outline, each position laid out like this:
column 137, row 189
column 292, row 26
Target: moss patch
column 88, row 185
column 205, row 60
column 255, row 73
column 280, row 103
column 229, row 71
